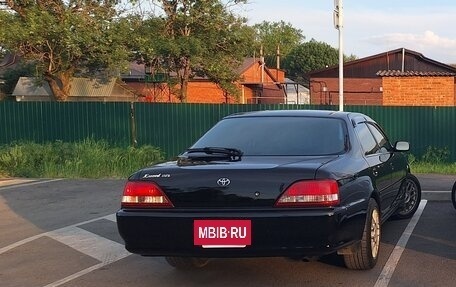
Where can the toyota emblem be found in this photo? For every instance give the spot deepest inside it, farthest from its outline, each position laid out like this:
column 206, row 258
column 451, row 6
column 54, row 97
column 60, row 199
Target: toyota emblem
column 223, row 181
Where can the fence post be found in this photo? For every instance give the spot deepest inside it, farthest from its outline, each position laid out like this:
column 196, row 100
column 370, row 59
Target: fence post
column 134, row 141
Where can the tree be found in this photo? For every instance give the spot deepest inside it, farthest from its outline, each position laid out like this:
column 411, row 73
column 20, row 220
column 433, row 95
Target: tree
column 310, row 56
column 199, row 38
column 64, row 38
column 271, row 35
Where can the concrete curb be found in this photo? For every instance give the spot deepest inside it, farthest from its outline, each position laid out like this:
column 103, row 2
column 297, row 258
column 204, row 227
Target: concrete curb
column 14, row 181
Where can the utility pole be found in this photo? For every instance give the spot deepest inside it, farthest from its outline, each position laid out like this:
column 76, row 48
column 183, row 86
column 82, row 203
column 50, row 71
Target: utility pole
column 339, row 24
column 262, row 64
column 278, row 62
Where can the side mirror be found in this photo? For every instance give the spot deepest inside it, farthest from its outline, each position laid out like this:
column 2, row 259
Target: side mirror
column 402, row 146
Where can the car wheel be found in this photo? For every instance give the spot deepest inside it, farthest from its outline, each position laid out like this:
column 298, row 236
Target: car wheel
column 412, row 196
column 187, row 262
column 365, row 254
column 453, row 195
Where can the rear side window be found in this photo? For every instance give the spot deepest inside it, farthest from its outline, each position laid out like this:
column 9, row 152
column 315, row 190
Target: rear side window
column 278, row 135
column 366, row 139
column 379, row 137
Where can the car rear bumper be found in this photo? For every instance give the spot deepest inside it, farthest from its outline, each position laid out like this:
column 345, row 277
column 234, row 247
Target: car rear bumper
column 287, row 232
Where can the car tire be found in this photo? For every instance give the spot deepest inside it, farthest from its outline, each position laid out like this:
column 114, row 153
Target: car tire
column 453, row 195
column 186, row 263
column 412, row 197
column 365, row 255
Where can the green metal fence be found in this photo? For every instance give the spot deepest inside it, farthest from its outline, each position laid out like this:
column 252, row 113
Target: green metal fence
column 173, row 127
column 423, row 127
column 51, row 121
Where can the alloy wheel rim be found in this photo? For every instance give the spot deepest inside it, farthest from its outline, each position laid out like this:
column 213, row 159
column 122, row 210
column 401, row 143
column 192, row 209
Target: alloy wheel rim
column 375, row 233
column 410, row 197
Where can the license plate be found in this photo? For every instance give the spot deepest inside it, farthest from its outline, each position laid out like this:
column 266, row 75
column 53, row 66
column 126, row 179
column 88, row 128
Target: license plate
column 222, row 233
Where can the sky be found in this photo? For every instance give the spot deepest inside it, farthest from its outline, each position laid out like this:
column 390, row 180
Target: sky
column 370, row 27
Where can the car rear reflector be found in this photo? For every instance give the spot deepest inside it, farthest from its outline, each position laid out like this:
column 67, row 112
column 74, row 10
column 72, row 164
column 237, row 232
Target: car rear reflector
column 310, row 193
column 140, row 194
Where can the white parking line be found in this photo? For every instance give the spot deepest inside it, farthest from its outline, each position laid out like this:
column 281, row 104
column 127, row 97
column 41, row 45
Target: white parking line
column 90, row 244
column 76, row 275
column 95, row 246
column 104, row 250
column 111, row 217
column 393, row 260
column 29, row 239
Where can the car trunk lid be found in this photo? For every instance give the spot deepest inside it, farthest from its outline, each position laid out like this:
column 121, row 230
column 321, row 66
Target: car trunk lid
column 252, row 182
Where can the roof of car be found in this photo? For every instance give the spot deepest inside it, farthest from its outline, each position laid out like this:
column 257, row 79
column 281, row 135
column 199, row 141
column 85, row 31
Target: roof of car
column 285, row 113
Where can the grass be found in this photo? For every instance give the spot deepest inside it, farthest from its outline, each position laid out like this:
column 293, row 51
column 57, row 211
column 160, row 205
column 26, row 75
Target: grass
column 98, row 159
column 428, row 167
column 86, row 159
column 434, row 160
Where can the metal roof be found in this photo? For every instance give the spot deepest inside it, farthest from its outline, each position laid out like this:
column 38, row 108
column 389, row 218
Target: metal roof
column 91, row 87
column 398, row 73
column 27, row 86
column 80, row 87
column 390, row 60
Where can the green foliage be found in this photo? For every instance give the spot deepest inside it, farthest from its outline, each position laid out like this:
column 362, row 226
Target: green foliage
column 436, row 155
column 65, row 39
column 86, row 159
column 270, row 35
column 349, row 58
column 11, row 77
column 310, row 56
column 426, row 167
column 411, row 158
column 190, row 38
column 434, row 160
column 194, row 38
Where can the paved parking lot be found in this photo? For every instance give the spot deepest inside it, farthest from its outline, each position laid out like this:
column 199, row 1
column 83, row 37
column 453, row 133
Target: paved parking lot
column 63, row 233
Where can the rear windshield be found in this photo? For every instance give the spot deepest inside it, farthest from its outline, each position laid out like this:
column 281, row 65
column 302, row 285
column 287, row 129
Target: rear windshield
column 307, row 136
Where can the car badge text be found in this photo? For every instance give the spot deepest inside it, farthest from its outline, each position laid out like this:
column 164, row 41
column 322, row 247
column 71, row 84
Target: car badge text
column 156, row 175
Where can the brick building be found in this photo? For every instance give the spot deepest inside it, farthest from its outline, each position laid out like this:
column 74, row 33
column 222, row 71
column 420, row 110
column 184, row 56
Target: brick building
column 399, row 77
column 258, row 84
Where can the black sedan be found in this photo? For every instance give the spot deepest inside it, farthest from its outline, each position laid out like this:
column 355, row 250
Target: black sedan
column 294, row 184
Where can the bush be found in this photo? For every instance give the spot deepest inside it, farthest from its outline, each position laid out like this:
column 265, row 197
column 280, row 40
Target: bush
column 436, row 155
column 434, row 160
column 86, row 159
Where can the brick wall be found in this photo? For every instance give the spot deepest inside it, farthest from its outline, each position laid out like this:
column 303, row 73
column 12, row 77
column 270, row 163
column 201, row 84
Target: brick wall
column 387, row 91
column 253, row 75
column 418, row 91
column 150, row 92
column 247, row 95
column 206, row 92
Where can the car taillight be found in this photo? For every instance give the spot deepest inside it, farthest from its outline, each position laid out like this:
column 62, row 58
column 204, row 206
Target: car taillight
column 139, row 194
column 310, row 193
